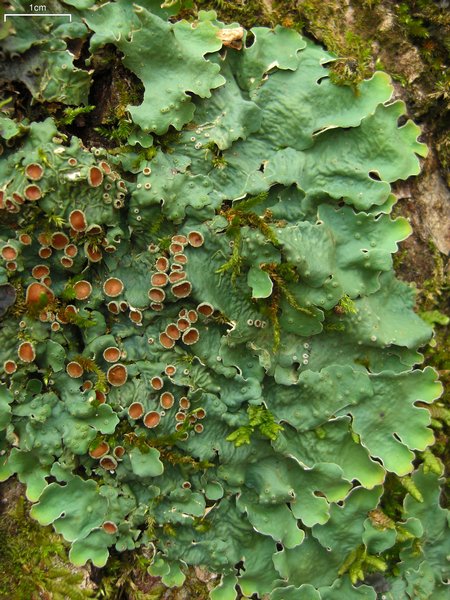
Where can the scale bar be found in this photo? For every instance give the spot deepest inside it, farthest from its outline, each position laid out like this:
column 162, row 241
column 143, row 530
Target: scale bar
column 6, row 15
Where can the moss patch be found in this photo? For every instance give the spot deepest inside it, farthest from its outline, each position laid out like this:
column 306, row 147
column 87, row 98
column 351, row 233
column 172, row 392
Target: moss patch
column 126, row 577
column 33, row 560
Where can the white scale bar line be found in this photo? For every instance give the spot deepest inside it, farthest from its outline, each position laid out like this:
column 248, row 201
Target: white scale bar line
column 37, row 15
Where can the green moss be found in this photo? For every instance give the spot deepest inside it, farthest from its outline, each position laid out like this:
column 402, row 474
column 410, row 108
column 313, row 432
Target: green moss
column 127, row 577
column 346, row 305
column 248, row 13
column 70, row 114
column 412, row 22
column 419, row 17
column 391, row 503
column 426, row 25
column 436, row 289
column 117, row 131
column 116, row 88
column 121, row 578
column 213, row 153
column 259, row 419
column 33, row 561
column 358, row 563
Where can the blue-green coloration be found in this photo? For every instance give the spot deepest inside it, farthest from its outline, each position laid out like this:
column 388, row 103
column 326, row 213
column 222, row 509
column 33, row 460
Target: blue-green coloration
column 204, row 346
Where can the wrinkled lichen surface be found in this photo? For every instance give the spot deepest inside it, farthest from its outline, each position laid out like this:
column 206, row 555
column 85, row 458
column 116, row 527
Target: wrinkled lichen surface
column 206, row 355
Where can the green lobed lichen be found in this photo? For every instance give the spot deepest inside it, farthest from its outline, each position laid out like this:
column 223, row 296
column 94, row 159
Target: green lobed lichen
column 204, row 346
